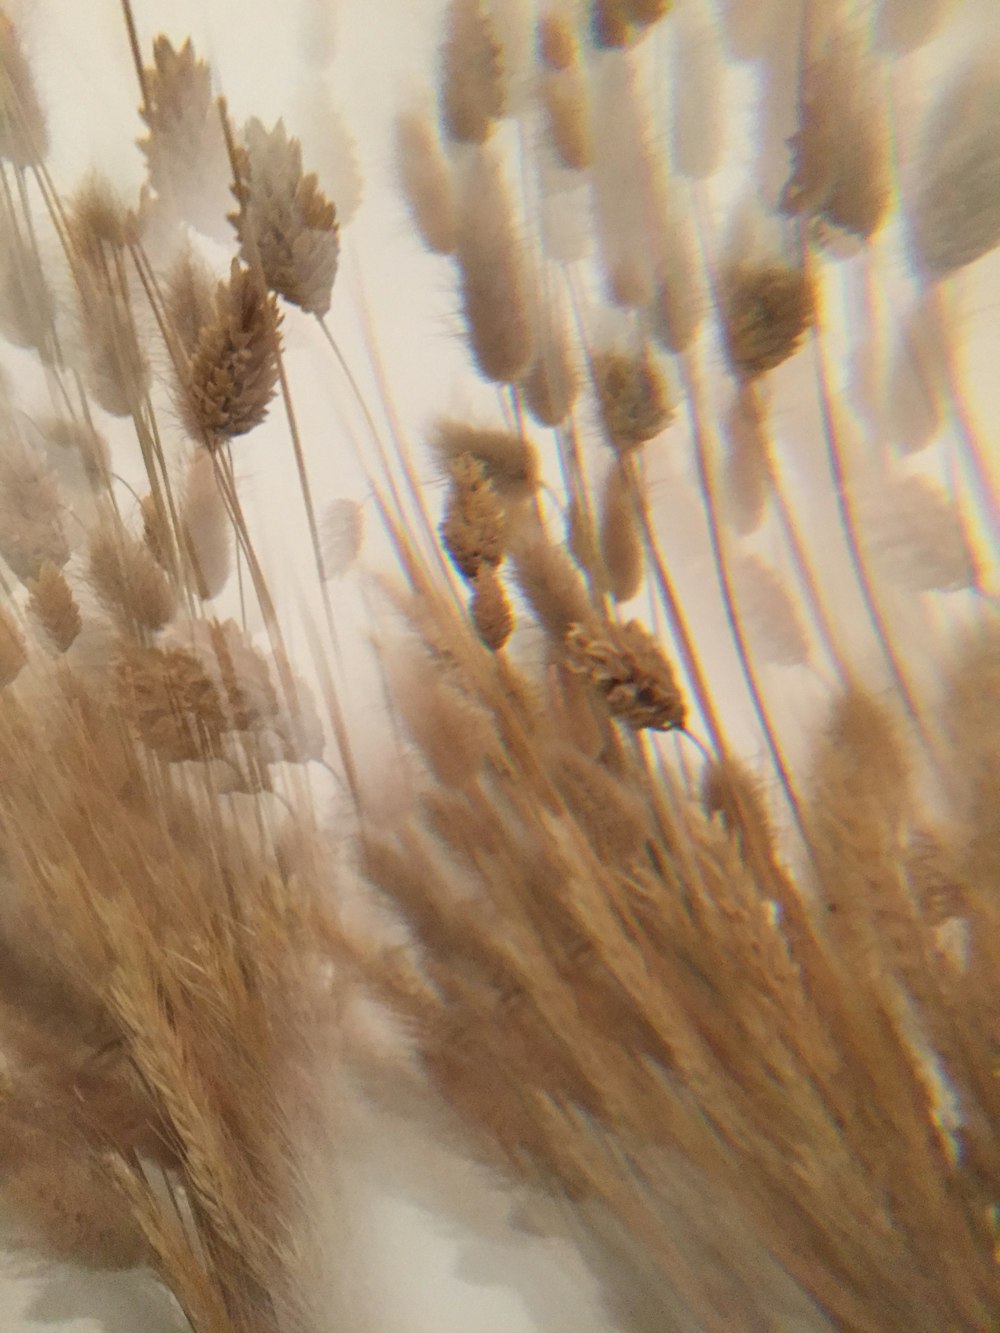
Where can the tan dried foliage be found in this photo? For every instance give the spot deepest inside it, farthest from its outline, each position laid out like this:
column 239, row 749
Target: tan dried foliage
column 765, row 309
column 285, row 222
column 472, row 75
column 54, row 607
column 226, row 386
column 626, row 667
column 632, row 398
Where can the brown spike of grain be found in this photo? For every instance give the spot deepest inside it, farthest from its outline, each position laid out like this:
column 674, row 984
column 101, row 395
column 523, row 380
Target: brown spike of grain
column 494, row 280
column 284, row 220
column 621, row 538
column 13, row 653
column 426, row 178
column 625, row 666
column 127, row 580
column 510, row 461
column 226, row 387
column 54, row 607
column 765, row 310
column 472, row 530
column 631, row 398
column 472, row 76
column 492, row 614
column 24, row 135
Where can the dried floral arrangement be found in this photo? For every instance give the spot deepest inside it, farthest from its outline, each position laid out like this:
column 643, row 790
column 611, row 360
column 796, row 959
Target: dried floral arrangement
column 726, row 1015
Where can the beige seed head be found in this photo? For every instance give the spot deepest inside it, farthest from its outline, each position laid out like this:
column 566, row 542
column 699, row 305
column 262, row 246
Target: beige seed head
column 24, row 136
column 567, row 111
column 766, row 309
column 610, row 26
column 190, row 300
column 841, row 163
column 54, row 607
column 225, row 388
column 118, row 373
column 631, row 398
column 27, row 305
column 491, row 611
column 549, row 581
column 557, row 44
column 494, row 281
column 510, row 461
column 128, row 581
column 170, row 700
column 472, row 78
column 31, row 514
column 624, row 664
column 426, row 178
column 472, row 530
column 185, row 148
column 621, row 539
column 206, row 537
column 285, row 220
